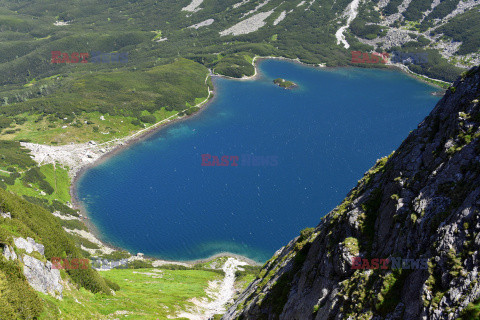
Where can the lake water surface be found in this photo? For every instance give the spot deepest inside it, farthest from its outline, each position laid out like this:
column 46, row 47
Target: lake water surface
column 157, row 198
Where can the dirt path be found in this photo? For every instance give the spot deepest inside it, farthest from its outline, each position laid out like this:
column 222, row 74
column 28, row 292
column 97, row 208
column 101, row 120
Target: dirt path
column 220, row 293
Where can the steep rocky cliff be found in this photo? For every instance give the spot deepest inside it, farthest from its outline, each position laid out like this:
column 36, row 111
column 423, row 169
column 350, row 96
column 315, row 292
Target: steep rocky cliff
column 418, row 208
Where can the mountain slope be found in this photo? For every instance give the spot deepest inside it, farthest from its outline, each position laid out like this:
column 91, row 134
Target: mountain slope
column 155, row 32
column 422, row 202
column 172, row 46
column 20, row 219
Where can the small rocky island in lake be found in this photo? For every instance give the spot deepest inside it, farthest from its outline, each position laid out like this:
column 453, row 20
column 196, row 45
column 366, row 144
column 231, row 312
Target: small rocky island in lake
column 284, row 83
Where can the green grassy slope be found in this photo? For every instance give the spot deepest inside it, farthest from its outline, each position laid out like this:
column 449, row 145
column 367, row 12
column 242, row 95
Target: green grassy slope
column 125, row 98
column 144, row 294
column 150, row 293
column 29, row 220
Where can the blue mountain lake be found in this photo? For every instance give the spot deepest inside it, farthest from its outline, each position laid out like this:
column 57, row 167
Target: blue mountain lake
column 312, row 144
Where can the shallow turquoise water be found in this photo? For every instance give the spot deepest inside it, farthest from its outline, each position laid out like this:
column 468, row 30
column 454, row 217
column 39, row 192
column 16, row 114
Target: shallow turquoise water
column 157, row 198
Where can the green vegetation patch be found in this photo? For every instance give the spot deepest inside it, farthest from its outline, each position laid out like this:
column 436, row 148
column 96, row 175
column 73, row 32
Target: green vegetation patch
column 392, row 7
column 284, row 83
column 13, row 155
column 48, row 182
column 464, row 28
column 391, row 291
column 416, row 9
column 103, row 105
column 235, row 65
column 443, row 9
column 151, row 293
column 18, row 300
column 472, row 311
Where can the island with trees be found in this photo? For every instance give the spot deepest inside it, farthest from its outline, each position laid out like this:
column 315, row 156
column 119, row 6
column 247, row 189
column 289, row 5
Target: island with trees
column 285, row 83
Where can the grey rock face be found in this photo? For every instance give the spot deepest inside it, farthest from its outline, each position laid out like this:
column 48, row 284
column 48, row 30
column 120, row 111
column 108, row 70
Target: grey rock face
column 9, row 253
column 29, row 245
column 423, row 203
column 41, row 276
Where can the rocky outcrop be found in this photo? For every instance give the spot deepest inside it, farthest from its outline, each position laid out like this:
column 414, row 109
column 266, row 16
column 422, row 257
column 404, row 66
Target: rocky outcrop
column 29, row 245
column 41, row 276
column 420, row 205
column 9, row 253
